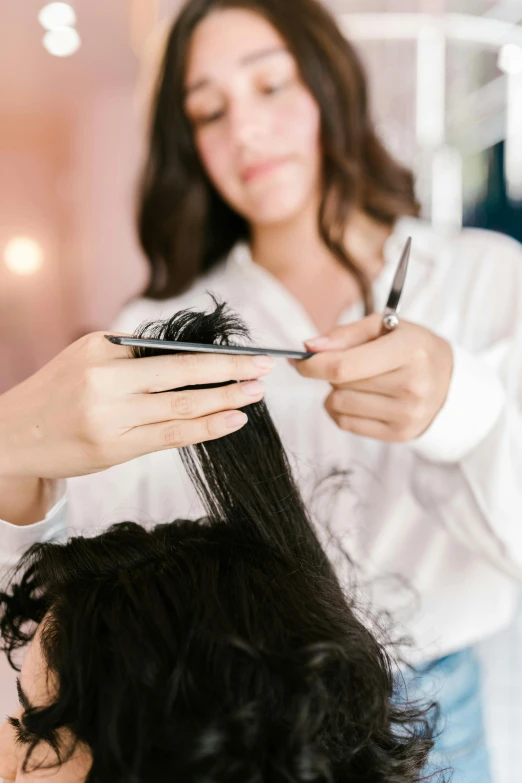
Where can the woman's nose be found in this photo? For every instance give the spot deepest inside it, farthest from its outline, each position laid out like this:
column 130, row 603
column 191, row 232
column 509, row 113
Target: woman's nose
column 248, row 123
column 8, row 761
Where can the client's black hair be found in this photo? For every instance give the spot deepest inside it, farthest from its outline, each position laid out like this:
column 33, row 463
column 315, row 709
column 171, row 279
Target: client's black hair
column 221, row 650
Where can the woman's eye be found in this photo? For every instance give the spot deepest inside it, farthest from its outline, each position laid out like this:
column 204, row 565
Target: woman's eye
column 270, row 89
column 207, row 119
column 21, row 735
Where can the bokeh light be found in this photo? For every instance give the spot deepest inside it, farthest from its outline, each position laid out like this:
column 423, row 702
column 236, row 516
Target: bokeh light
column 23, row 256
column 55, row 15
column 62, row 42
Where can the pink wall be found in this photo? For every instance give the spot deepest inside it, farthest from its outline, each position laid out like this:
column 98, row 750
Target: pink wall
column 32, row 309
column 106, row 153
column 68, row 182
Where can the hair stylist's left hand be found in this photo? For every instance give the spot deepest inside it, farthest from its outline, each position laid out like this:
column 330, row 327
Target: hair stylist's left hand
column 384, row 386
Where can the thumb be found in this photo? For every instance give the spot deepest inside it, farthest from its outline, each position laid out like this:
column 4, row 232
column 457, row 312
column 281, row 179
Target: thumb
column 349, row 336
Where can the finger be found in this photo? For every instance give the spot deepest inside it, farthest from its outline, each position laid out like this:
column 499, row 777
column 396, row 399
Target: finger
column 348, row 336
column 355, row 364
column 390, row 384
column 190, row 404
column 96, row 345
column 163, row 373
column 367, row 428
column 177, row 434
column 363, row 405
column 122, row 351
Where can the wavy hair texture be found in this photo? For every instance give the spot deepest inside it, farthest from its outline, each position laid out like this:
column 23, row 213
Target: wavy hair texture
column 184, row 225
column 221, row 650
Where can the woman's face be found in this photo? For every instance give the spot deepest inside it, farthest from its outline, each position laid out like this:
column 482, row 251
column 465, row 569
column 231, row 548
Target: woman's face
column 256, row 125
column 34, row 689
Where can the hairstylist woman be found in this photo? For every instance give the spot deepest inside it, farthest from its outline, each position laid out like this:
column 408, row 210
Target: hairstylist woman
column 267, row 185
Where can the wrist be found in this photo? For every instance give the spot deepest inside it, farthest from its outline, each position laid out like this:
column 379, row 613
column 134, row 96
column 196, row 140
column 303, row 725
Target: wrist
column 23, row 499
column 473, row 404
column 15, row 448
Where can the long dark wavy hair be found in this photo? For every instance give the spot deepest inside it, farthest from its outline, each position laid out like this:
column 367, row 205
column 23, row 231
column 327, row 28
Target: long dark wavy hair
column 185, row 226
column 221, row 650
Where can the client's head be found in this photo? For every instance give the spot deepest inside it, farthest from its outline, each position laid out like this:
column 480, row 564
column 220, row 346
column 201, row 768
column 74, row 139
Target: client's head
column 221, row 650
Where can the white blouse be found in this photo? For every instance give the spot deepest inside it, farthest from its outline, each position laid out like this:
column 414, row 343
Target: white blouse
column 435, row 525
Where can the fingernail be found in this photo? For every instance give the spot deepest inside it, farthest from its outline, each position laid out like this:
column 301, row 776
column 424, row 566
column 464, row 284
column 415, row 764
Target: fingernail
column 319, row 342
column 253, row 388
column 236, row 420
column 264, row 362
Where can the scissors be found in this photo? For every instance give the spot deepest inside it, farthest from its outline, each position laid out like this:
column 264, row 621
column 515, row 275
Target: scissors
column 390, row 321
column 390, row 317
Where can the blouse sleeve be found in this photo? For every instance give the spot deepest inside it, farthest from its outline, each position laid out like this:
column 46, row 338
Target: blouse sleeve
column 479, row 433
column 15, row 539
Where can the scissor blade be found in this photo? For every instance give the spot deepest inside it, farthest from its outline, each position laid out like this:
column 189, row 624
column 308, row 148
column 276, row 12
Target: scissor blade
column 400, row 276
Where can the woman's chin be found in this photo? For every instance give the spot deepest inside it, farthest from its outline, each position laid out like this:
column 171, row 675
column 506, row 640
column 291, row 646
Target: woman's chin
column 273, row 211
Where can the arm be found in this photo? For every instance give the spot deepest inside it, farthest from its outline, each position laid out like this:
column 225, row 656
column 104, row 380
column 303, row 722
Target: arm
column 23, row 501
column 93, row 407
column 31, row 509
column 479, row 432
column 474, row 404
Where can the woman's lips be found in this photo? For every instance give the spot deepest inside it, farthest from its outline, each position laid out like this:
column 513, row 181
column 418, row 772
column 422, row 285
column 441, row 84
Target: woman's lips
column 260, row 169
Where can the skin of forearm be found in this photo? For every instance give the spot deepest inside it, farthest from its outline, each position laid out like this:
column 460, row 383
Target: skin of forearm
column 23, row 500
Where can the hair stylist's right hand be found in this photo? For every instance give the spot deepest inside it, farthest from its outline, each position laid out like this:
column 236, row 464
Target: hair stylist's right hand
column 93, row 406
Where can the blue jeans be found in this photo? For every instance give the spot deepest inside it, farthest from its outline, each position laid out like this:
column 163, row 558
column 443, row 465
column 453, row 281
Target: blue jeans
column 454, row 682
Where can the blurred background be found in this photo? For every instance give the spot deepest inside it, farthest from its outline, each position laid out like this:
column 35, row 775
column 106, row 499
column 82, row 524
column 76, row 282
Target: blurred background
column 75, row 79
